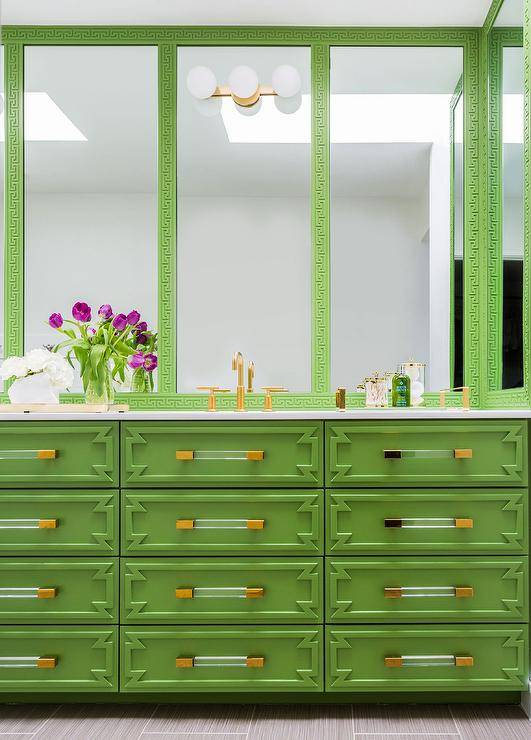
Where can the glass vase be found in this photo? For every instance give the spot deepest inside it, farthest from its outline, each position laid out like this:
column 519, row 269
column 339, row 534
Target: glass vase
column 104, row 394
column 140, row 381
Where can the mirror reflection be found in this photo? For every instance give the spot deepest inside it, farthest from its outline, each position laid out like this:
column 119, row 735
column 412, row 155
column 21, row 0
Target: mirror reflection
column 392, row 241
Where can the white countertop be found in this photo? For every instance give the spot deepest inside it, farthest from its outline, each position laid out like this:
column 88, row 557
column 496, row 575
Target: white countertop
column 293, row 415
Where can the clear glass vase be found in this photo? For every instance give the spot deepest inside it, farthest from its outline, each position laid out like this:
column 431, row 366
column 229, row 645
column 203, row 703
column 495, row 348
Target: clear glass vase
column 103, row 394
column 140, row 381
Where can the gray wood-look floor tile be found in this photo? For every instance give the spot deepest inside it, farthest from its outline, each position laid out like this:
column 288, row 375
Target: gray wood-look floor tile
column 16, row 736
column 411, row 736
column 24, row 718
column 302, row 722
column 96, row 722
column 192, row 736
column 403, row 718
column 197, row 718
column 491, row 722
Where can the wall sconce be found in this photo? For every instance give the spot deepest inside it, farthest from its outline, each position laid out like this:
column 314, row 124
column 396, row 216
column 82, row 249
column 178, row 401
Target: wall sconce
column 245, row 89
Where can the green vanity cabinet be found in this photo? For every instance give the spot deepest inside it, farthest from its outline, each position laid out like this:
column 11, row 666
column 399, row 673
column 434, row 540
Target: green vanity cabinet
column 222, row 522
column 59, row 522
column 222, row 590
column 210, row 453
column 424, row 658
column 427, row 453
column 431, row 589
column 58, row 454
column 222, row 659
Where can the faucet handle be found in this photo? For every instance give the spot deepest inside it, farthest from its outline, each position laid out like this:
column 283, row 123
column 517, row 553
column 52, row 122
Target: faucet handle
column 250, row 377
column 212, row 389
column 268, row 398
column 465, row 390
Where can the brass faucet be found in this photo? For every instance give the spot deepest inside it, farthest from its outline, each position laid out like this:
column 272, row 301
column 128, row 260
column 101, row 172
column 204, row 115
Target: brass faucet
column 237, row 364
column 250, row 377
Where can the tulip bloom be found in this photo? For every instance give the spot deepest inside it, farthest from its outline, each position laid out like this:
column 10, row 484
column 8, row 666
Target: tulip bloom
column 136, row 361
column 105, row 311
column 141, row 327
column 82, row 312
column 133, row 317
column 56, row 321
column 120, row 321
column 150, row 363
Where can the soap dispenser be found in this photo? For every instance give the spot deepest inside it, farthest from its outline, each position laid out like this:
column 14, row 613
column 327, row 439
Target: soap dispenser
column 401, row 389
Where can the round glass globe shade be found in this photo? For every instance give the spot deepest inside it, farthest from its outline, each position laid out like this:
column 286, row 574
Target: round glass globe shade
column 286, row 81
column 201, row 82
column 243, row 81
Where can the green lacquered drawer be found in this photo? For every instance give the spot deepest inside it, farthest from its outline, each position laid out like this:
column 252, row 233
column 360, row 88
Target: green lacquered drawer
column 428, row 590
column 431, row 658
column 222, row 659
column 71, row 454
column 77, row 522
column 224, row 522
column 222, row 590
column 408, row 453
column 78, row 659
column 365, row 521
column 62, row 590
column 218, row 454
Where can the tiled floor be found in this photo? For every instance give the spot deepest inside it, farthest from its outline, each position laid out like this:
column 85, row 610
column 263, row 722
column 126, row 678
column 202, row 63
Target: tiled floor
column 272, row 722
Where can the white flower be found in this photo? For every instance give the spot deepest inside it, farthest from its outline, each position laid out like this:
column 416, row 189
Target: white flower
column 13, row 367
column 36, row 359
column 59, row 371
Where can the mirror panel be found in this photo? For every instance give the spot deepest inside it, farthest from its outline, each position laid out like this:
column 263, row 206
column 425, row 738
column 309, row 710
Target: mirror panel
column 457, row 233
column 91, row 182
column 244, row 237
column 2, row 201
column 391, row 211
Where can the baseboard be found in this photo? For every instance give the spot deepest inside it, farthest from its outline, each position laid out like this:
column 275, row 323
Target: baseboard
column 526, row 701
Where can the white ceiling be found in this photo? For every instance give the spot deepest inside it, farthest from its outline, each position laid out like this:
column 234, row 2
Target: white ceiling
column 247, row 12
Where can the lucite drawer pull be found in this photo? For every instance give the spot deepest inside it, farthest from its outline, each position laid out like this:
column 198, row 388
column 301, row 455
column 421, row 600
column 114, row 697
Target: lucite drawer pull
column 28, row 454
column 220, row 661
column 28, row 593
column 429, row 523
column 27, row 662
column 235, row 592
column 457, row 454
column 429, row 661
column 28, row 524
column 408, row 592
column 220, row 524
column 219, row 455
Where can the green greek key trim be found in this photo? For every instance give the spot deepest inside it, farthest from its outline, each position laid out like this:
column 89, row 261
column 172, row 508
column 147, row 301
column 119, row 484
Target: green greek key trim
column 527, row 197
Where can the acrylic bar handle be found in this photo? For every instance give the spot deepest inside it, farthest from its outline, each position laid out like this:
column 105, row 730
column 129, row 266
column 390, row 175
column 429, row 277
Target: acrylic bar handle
column 425, row 661
column 220, row 661
column 188, row 455
column 235, row 592
column 28, row 524
column 408, row 592
column 28, row 454
column 220, row 524
column 27, row 662
column 429, row 523
column 457, row 454
column 28, row 593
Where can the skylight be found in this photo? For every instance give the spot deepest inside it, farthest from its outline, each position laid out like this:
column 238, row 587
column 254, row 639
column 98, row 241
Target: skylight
column 45, row 121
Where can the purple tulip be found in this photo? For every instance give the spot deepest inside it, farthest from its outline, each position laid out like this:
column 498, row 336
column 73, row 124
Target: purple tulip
column 105, row 311
column 120, row 321
column 142, row 326
column 82, row 312
column 142, row 338
column 55, row 321
column 133, row 317
column 136, row 360
column 150, row 363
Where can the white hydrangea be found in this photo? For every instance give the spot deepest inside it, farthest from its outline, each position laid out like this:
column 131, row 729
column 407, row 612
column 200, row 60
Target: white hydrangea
column 59, row 371
column 13, row 367
column 36, row 359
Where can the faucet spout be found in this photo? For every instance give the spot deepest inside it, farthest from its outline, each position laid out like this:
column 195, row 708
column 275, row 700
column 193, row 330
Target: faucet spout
column 237, row 364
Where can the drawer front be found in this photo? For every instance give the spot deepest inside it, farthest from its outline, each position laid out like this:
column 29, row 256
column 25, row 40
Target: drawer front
column 215, row 453
column 221, row 659
column 490, row 521
column 68, row 591
column 50, row 454
column 464, row 453
column 221, row 590
column 81, row 522
column 434, row 590
column 427, row 658
column 58, row 659
column 222, row 522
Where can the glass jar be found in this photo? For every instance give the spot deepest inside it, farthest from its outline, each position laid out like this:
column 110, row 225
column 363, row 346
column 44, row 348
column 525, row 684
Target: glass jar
column 376, row 389
column 416, row 371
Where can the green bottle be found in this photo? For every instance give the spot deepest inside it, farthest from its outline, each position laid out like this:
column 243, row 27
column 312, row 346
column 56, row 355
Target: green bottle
column 401, row 389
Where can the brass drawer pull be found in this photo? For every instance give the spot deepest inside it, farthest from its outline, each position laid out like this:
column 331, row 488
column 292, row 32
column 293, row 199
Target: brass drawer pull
column 220, row 524
column 28, row 593
column 253, row 455
column 429, row 523
column 28, row 454
column 27, row 662
column 428, row 661
column 28, row 524
column 234, row 592
column 220, row 661
column 408, row 592
column 457, row 454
